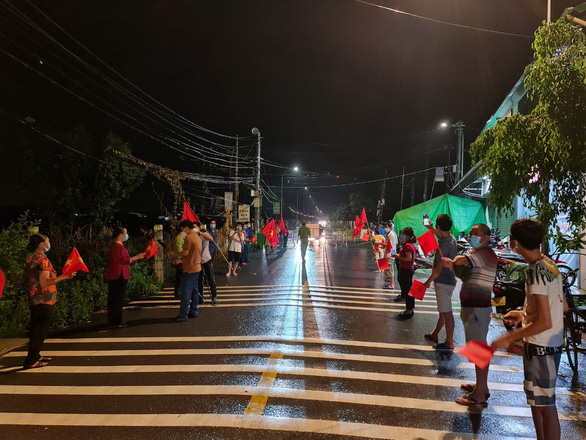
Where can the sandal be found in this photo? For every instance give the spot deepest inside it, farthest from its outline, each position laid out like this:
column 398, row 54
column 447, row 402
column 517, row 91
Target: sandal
column 388, row 287
column 37, row 364
column 468, row 400
column 430, row 338
column 45, row 359
column 469, row 388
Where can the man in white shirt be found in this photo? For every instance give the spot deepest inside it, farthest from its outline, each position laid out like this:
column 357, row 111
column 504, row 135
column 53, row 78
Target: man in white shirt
column 543, row 326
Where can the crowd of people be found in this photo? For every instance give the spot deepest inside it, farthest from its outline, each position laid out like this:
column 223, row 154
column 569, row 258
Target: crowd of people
column 539, row 324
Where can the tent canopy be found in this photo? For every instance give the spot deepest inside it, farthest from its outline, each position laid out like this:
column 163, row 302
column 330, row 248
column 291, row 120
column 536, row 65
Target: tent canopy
column 465, row 214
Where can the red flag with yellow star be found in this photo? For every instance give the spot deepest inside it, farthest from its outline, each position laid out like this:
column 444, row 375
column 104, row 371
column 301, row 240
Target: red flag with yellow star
column 151, row 249
column 74, row 263
column 357, row 228
column 271, row 233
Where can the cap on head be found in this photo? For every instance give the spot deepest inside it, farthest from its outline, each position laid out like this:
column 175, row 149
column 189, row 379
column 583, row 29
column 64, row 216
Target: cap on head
column 303, row 222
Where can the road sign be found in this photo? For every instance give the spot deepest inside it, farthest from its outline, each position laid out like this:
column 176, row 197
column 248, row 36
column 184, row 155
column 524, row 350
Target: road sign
column 258, row 202
column 243, row 213
column 439, row 174
column 276, row 207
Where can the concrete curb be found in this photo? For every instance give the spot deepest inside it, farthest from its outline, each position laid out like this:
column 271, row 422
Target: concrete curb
column 9, row 344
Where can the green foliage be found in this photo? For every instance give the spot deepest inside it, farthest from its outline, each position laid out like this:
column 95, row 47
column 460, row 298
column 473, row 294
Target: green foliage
column 142, row 282
column 349, row 210
column 542, row 156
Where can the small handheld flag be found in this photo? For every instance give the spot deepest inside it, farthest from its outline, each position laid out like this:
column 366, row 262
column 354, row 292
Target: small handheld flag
column 383, row 264
column 417, row 290
column 427, row 242
column 74, row 263
column 477, row 352
column 151, row 249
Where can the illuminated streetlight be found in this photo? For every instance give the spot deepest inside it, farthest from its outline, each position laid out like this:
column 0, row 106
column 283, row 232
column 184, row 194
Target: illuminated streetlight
column 282, row 179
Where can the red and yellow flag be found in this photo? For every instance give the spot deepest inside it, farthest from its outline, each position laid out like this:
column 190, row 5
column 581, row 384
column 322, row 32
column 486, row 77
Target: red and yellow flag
column 271, row 233
column 357, row 228
column 363, row 220
column 151, row 249
column 74, row 263
column 188, row 214
column 281, row 226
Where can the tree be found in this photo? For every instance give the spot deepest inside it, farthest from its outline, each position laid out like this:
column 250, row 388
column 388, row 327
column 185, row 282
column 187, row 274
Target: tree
column 542, row 156
column 349, row 210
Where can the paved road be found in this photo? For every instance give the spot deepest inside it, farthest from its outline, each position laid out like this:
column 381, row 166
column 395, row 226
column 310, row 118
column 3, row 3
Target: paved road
column 292, row 351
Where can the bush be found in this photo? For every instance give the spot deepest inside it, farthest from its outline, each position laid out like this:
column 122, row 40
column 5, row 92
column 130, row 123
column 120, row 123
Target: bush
column 142, row 283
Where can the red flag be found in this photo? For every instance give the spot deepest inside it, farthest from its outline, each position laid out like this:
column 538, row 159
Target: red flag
column 281, row 226
column 271, row 233
column 151, row 249
column 477, row 352
column 363, row 220
column 74, row 263
column 389, row 248
column 254, row 239
column 188, row 214
column 357, row 228
column 427, row 242
column 2, row 282
column 383, row 264
column 366, row 236
column 417, row 290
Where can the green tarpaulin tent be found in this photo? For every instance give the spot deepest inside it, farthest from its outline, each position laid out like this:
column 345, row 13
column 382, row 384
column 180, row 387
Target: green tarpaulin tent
column 465, row 214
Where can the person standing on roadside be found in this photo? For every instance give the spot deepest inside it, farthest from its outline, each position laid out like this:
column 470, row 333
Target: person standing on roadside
column 303, row 236
column 476, row 305
column 207, row 266
column 406, row 259
column 118, row 276
column 213, row 245
column 236, row 241
column 444, row 282
column 245, row 257
column 42, row 296
column 391, row 247
column 191, row 259
column 543, row 326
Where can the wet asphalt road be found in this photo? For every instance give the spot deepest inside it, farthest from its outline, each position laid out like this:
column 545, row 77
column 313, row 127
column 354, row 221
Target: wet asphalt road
column 293, row 351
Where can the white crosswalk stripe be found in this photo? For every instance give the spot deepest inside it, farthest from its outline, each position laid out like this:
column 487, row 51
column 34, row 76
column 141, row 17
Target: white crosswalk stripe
column 146, row 364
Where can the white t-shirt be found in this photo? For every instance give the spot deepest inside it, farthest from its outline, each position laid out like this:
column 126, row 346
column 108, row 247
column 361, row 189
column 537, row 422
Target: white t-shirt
column 543, row 278
column 235, row 244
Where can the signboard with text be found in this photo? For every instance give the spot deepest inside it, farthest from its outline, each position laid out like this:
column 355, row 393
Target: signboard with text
column 276, row 207
column 243, row 213
column 228, row 198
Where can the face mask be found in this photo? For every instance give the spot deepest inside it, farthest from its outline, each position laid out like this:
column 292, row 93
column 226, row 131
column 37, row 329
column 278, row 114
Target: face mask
column 125, row 237
column 475, row 241
column 48, row 247
column 402, row 237
column 239, row 228
column 212, row 226
column 387, row 229
column 183, row 234
column 196, row 229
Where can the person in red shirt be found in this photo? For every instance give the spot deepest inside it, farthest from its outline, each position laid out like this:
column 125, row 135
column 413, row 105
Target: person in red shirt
column 406, row 268
column 42, row 279
column 118, row 276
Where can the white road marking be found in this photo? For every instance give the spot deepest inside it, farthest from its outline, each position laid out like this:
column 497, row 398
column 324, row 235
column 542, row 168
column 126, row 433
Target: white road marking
column 287, row 424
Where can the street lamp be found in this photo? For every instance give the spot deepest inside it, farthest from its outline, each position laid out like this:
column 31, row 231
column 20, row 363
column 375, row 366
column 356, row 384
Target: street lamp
column 297, row 210
column 282, row 180
column 459, row 126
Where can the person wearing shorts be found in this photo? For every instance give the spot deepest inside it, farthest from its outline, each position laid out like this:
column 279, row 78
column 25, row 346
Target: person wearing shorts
column 475, row 300
column 235, row 249
column 444, row 282
column 543, row 326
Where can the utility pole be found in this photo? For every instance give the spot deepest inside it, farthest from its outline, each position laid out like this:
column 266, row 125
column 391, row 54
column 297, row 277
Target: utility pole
column 258, row 197
column 236, row 189
column 402, row 187
column 381, row 202
column 412, row 191
column 426, row 174
column 460, row 159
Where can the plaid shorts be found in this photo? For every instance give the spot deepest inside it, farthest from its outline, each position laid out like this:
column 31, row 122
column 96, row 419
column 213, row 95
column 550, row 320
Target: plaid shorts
column 541, row 366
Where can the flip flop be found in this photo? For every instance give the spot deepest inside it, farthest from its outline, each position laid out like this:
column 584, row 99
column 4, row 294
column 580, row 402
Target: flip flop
column 45, row 359
column 388, row 288
column 469, row 388
column 37, row 364
column 443, row 347
column 468, row 400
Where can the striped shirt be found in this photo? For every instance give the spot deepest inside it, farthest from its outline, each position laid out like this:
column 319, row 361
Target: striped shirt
column 477, row 290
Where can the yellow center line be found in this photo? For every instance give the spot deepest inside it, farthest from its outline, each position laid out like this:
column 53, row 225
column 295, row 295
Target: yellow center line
column 258, row 402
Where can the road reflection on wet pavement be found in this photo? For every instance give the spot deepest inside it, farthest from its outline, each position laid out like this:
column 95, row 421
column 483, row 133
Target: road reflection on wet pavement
column 293, row 350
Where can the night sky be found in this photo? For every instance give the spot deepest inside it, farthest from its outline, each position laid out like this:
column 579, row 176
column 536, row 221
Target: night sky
column 342, row 89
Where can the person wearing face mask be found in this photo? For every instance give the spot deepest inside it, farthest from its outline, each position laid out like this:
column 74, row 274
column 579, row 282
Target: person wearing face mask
column 118, row 276
column 390, row 247
column 214, row 234
column 475, row 299
column 236, row 239
column 42, row 280
column 406, row 259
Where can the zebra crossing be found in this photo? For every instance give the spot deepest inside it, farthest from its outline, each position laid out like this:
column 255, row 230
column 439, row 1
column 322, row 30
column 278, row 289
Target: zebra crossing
column 295, row 382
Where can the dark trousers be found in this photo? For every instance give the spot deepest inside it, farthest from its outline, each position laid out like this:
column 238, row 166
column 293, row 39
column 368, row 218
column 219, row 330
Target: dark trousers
column 405, row 279
column 178, row 275
column 285, row 239
column 40, row 319
column 208, row 277
column 116, row 296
